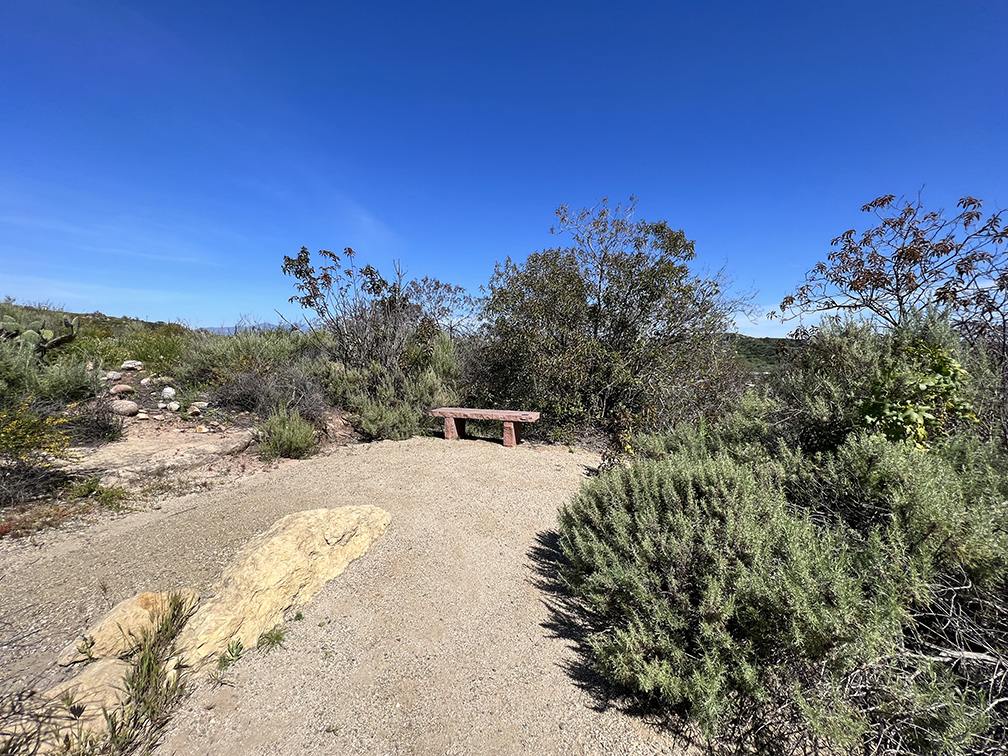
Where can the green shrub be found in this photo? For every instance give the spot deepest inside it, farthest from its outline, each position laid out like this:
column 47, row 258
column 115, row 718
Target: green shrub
column 213, row 358
column 64, row 379
column 705, row 594
column 613, row 333
column 942, row 513
column 29, row 443
column 286, row 434
column 264, row 390
column 824, row 383
column 393, row 403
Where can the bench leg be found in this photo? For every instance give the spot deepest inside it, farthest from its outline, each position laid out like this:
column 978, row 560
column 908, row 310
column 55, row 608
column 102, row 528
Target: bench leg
column 450, row 433
column 509, row 433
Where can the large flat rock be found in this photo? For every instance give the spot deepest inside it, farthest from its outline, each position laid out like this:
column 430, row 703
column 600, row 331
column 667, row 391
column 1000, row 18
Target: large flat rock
column 276, row 571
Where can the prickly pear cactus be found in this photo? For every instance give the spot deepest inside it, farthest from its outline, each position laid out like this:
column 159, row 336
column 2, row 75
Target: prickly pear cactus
column 36, row 337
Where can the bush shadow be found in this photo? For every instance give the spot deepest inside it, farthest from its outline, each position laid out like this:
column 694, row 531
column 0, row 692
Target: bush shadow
column 570, row 620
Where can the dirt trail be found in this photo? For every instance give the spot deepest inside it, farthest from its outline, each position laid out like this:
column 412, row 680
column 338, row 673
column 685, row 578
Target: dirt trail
column 438, row 641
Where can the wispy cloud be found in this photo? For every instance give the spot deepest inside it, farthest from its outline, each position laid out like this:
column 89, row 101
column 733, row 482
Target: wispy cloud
column 149, row 255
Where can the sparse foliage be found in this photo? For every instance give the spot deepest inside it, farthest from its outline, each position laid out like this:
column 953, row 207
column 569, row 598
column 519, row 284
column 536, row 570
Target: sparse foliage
column 913, row 258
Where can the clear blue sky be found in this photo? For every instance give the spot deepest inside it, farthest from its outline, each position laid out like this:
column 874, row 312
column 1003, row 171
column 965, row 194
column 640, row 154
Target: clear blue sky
column 158, row 159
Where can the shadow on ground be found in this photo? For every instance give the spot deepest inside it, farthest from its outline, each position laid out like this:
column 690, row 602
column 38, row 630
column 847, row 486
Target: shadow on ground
column 571, row 621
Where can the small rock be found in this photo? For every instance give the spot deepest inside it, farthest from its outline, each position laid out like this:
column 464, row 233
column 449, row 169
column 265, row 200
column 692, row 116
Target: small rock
column 132, row 365
column 194, row 410
column 124, row 407
column 201, row 405
column 90, row 366
column 112, row 375
column 145, row 382
column 142, row 416
column 122, row 388
column 168, row 393
column 174, row 406
column 202, row 429
column 162, row 405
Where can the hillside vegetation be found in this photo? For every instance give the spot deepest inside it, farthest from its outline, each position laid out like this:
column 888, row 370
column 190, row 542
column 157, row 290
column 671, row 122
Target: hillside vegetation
column 811, row 560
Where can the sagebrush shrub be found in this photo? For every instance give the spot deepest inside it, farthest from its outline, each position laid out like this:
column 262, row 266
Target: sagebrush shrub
column 706, row 593
column 286, row 434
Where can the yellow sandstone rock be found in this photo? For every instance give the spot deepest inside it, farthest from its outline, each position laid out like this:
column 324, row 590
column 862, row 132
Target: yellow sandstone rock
column 111, row 637
column 275, row 572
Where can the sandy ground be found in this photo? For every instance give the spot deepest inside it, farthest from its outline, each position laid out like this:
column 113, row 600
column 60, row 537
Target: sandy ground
column 440, row 640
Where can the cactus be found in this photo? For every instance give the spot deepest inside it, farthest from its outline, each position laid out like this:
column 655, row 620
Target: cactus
column 36, row 336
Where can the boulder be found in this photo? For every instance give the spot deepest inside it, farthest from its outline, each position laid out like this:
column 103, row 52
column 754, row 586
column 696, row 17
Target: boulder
column 124, row 407
column 132, row 365
column 275, row 572
column 111, row 636
column 122, row 388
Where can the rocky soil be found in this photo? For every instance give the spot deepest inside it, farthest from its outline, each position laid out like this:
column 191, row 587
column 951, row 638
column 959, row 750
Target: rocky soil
column 441, row 639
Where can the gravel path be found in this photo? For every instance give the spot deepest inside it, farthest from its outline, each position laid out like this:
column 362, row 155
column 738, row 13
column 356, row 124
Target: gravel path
column 440, row 640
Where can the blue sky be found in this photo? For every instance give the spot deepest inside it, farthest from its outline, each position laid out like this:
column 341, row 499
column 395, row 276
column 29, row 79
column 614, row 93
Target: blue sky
column 158, row 159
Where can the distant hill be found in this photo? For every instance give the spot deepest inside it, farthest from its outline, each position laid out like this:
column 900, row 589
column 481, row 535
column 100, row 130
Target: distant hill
column 762, row 353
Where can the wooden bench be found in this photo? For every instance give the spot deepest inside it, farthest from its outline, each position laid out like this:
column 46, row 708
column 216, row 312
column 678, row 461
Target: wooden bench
column 455, row 418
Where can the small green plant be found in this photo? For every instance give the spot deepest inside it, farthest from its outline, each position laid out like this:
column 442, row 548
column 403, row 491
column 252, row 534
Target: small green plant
column 86, row 647
column 286, row 434
column 271, row 639
column 230, row 655
column 111, row 497
column 919, row 396
column 298, row 616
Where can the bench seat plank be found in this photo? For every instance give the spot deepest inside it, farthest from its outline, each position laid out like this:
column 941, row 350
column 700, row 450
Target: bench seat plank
column 467, row 413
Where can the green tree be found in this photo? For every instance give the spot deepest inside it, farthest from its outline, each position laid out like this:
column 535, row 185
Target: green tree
column 613, row 331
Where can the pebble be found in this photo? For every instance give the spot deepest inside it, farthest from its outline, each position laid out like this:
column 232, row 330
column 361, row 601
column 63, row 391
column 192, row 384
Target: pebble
column 174, row 406
column 112, row 375
column 132, row 365
column 168, row 393
column 122, row 388
column 145, row 382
